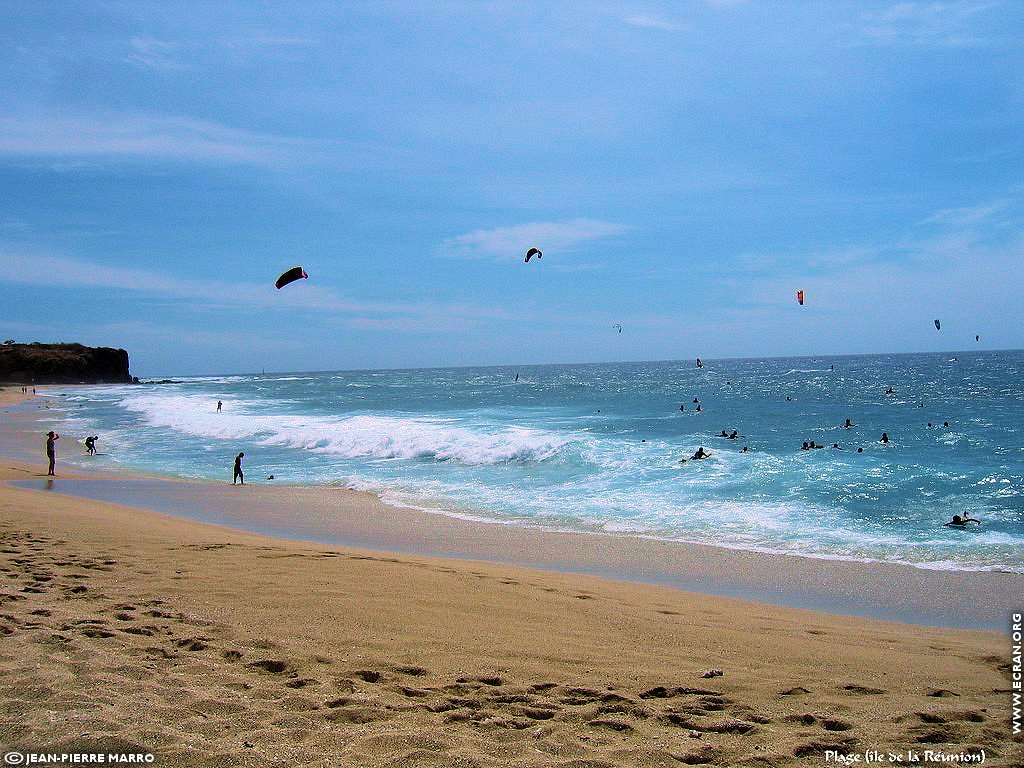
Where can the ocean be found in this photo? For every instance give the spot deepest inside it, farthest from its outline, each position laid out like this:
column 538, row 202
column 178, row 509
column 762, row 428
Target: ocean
column 597, row 447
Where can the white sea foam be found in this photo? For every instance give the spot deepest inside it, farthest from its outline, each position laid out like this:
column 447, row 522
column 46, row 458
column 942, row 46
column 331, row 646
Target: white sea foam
column 367, row 435
column 453, row 441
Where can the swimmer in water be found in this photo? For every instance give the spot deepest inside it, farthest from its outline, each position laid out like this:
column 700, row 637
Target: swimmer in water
column 700, row 454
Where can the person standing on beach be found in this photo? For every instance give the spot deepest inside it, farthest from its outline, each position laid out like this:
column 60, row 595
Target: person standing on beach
column 51, row 451
column 219, row 404
column 238, row 476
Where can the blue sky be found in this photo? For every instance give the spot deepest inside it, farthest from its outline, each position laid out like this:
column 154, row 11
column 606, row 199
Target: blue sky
column 685, row 167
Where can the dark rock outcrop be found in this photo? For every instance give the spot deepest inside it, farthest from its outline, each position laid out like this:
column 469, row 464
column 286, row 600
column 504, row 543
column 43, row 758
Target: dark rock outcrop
column 63, row 364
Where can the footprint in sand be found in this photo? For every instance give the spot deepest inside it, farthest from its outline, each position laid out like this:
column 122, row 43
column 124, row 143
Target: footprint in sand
column 411, row 671
column 273, row 666
column 615, row 725
column 863, row 689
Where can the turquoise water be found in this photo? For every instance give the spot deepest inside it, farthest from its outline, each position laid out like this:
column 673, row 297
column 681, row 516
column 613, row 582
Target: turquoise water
column 597, row 447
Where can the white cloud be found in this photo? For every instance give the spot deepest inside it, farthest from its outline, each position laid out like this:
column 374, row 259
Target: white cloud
column 513, row 242
column 57, row 272
column 938, row 24
column 137, row 135
column 967, row 216
column 155, row 54
column 652, row 22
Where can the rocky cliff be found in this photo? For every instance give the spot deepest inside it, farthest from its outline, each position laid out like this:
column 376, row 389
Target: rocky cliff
column 63, row 364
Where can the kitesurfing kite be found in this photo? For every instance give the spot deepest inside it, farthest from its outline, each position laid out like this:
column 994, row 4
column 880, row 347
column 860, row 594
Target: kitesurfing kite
column 938, row 326
column 293, row 274
column 800, row 297
column 616, row 325
column 533, row 252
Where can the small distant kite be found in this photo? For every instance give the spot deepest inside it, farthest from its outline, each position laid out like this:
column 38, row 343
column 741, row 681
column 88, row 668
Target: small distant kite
column 800, row 297
column 533, row 252
column 293, row 274
column 938, row 326
column 616, row 325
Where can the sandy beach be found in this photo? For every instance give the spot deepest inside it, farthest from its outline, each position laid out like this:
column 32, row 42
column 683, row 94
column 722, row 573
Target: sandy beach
column 132, row 631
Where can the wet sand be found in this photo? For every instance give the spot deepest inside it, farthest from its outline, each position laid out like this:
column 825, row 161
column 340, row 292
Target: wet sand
column 128, row 630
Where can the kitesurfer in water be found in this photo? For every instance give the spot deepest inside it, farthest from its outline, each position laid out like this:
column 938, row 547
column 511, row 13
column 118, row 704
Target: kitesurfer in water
column 961, row 522
column 238, row 477
column 849, row 425
column 884, row 438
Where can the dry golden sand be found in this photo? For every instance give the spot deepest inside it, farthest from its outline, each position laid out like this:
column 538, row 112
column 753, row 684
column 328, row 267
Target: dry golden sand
column 123, row 630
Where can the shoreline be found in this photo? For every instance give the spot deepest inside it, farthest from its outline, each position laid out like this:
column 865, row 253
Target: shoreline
column 132, row 631
column 336, row 516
